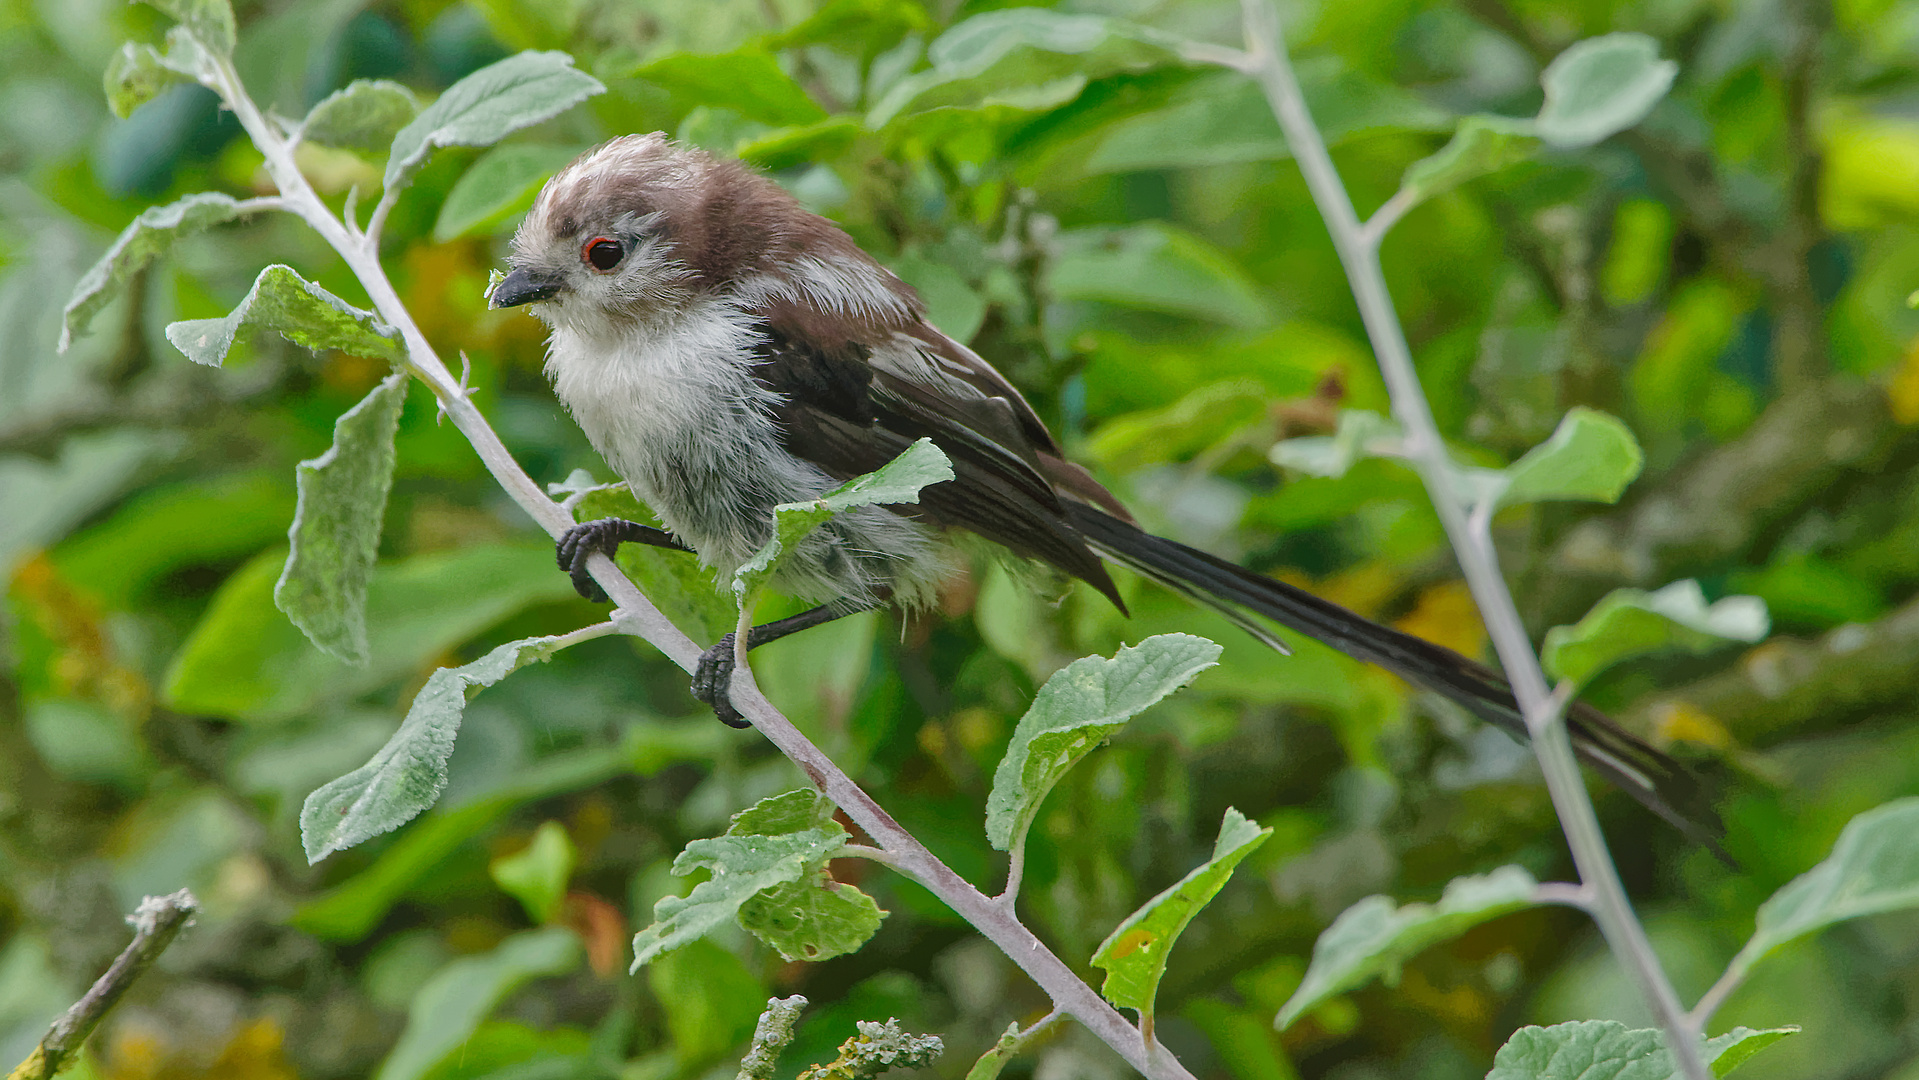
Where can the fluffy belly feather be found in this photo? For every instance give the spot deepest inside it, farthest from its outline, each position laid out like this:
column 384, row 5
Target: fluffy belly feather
column 682, row 420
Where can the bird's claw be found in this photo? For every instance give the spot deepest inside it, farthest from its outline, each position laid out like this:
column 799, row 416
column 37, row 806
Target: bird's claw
column 713, row 682
column 576, row 544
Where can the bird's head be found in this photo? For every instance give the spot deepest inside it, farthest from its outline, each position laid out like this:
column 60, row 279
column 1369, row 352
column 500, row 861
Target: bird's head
column 640, row 227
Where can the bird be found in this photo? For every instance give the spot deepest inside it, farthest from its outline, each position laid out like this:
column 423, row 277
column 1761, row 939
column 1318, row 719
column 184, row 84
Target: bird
column 727, row 350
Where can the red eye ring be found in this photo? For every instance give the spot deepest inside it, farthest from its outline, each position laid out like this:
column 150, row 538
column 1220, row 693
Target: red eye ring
column 602, row 253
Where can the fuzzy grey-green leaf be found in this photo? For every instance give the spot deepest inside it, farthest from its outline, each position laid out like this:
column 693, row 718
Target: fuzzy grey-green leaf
column 363, row 115
column 1634, row 622
column 1590, row 456
column 408, row 773
column 502, row 183
column 336, row 525
column 137, row 245
column 897, row 481
column 135, row 76
column 1481, row 144
column 814, row 918
column 1078, row 708
column 792, row 811
column 740, row 866
column 300, row 311
column 1361, row 434
column 1609, row 1050
column 1873, row 868
column 1024, row 56
column 1134, row 954
column 1374, row 937
column 488, row 105
column 1601, row 86
column 209, row 21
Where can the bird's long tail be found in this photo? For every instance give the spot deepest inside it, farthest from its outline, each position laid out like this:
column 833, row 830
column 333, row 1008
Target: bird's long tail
column 1661, row 784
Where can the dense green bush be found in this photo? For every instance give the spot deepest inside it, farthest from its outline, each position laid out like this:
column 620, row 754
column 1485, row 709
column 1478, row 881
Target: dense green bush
column 1118, row 226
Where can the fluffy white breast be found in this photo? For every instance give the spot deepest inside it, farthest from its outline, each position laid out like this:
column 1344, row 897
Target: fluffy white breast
column 674, row 408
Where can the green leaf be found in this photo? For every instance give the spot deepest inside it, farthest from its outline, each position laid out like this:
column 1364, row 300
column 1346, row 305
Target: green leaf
column 1633, row 622
column 1026, row 55
column 1224, row 118
column 451, row 1005
column 137, row 74
column 783, row 148
column 1873, row 868
column 711, row 1001
column 499, row 186
column 1361, row 434
column 1590, row 456
column 1601, row 86
column 1371, row 939
column 748, row 81
column 489, row 105
column 245, row 661
column 209, row 21
column 336, row 525
column 794, row 811
column 741, row 866
column 300, row 311
column 164, row 529
column 812, row 919
column 860, row 27
column 684, row 589
column 898, row 481
column 537, row 874
column 364, row 115
column 1733, row 1049
column 996, row 1058
column 1078, row 708
column 150, row 235
column 408, row 773
column 531, row 24
column 1609, row 1050
column 1134, row 955
column 1481, row 144
column 1156, row 267
column 951, row 303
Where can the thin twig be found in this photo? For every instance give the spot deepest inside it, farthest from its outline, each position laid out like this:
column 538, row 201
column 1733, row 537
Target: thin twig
column 638, row 616
column 1710, row 1002
column 1564, row 894
column 1015, row 872
column 157, row 921
column 1009, row 1046
column 1427, row 453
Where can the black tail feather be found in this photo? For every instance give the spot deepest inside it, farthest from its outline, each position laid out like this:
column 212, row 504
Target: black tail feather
column 1661, row 784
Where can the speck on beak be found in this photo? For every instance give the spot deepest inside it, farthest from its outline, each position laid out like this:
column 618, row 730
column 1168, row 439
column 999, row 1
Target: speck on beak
column 524, row 287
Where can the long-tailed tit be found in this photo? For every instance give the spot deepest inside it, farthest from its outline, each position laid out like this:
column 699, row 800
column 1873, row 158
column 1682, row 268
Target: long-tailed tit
column 727, row 350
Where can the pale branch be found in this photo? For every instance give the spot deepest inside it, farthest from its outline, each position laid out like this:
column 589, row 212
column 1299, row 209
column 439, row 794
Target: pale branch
column 157, row 921
column 636, row 615
column 1469, row 533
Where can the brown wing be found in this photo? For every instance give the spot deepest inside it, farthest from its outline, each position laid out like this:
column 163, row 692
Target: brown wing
column 851, row 406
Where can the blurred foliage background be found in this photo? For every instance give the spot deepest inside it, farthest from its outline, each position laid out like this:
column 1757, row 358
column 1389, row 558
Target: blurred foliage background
column 1129, row 242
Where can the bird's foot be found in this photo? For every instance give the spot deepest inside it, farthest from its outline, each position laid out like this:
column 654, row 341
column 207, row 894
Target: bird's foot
column 713, row 681
column 601, row 537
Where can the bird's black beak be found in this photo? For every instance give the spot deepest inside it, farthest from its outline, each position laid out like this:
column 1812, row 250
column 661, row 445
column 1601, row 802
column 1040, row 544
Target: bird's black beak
column 524, row 287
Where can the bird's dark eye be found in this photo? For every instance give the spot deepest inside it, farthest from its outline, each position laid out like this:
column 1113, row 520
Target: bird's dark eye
column 603, row 253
